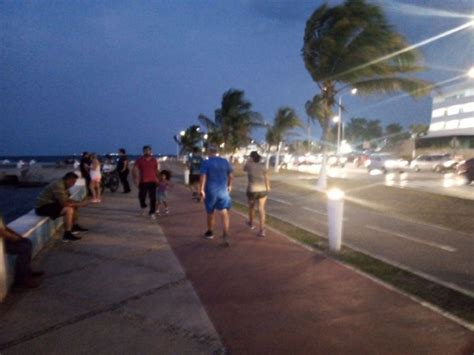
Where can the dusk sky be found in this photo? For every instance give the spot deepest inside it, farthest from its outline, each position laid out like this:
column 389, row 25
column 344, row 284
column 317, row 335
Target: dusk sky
column 99, row 75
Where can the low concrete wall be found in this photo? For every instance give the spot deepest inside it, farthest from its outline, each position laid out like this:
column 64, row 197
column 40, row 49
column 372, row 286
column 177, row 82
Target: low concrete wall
column 39, row 230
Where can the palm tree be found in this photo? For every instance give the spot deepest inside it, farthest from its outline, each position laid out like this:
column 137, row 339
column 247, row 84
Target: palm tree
column 283, row 124
column 233, row 121
column 192, row 138
column 352, row 45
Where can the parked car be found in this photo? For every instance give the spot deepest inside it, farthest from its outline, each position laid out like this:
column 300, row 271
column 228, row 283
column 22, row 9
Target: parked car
column 432, row 162
column 466, row 169
column 385, row 162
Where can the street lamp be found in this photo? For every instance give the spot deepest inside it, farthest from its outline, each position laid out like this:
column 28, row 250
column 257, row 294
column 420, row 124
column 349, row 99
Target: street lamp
column 470, row 73
column 338, row 120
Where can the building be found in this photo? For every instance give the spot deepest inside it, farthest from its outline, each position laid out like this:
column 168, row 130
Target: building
column 452, row 121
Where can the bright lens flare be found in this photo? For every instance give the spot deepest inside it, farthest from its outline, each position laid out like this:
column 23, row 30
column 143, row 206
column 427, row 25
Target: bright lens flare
column 470, row 73
column 335, row 194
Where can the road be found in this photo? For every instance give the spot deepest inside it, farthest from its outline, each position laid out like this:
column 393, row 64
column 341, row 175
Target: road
column 426, row 244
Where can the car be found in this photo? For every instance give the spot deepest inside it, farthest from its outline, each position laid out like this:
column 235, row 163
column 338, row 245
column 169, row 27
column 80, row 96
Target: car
column 385, row 162
column 466, row 169
column 431, row 162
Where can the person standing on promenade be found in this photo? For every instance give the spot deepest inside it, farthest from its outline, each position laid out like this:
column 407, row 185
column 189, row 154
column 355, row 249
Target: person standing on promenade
column 257, row 189
column 55, row 201
column 194, row 166
column 145, row 176
column 21, row 247
column 215, row 185
column 122, row 169
column 85, row 166
column 96, row 176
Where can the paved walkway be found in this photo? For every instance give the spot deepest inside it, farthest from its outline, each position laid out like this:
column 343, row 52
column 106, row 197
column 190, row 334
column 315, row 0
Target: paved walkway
column 122, row 291
column 272, row 296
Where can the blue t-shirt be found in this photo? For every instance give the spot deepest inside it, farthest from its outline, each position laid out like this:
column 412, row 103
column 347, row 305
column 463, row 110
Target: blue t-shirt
column 195, row 164
column 216, row 170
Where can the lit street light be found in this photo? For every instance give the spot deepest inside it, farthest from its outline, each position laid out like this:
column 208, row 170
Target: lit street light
column 470, row 73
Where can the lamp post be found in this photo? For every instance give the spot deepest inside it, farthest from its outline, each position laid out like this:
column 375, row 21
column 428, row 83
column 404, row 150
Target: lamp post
column 178, row 140
column 338, row 120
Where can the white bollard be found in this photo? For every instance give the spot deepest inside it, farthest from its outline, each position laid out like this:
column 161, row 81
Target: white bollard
column 186, row 176
column 335, row 218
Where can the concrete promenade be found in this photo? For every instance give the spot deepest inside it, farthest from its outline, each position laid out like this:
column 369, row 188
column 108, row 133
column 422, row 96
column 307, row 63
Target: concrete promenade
column 122, row 290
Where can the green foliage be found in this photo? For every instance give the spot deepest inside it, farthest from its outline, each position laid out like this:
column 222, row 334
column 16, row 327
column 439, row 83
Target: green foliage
column 418, row 129
column 233, row 121
column 192, row 138
column 284, row 123
column 360, row 129
column 352, row 45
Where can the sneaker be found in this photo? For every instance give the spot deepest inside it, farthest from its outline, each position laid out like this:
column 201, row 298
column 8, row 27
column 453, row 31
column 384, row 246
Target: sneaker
column 142, row 212
column 167, row 211
column 78, row 228
column 250, row 224
column 209, row 235
column 226, row 243
column 153, row 216
column 261, row 233
column 69, row 237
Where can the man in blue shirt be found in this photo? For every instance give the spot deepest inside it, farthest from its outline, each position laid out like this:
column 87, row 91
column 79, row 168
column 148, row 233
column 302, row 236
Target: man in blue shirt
column 215, row 185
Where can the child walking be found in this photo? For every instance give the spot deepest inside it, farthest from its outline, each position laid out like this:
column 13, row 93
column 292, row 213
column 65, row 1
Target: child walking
column 161, row 192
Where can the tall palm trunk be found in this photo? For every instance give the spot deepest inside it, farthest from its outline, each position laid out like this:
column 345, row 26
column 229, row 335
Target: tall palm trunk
column 322, row 180
column 277, row 158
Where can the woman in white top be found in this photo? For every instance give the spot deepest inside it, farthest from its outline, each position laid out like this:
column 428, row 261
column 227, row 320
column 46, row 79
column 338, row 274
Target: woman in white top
column 96, row 176
column 257, row 189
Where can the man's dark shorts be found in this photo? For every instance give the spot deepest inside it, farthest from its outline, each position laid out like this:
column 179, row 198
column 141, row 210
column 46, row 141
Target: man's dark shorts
column 256, row 195
column 51, row 210
column 193, row 178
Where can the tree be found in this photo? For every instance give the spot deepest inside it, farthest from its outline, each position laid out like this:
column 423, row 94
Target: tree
column 283, row 124
column 394, row 134
column 233, row 121
column 360, row 130
column 352, row 45
column 418, row 129
column 192, row 137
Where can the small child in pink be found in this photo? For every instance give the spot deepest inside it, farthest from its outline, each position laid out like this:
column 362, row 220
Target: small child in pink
column 162, row 191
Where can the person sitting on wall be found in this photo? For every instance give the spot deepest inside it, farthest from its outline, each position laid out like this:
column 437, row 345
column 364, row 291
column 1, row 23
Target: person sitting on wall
column 55, row 201
column 22, row 248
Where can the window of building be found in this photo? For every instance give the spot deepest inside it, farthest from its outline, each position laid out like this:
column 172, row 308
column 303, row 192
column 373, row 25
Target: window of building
column 453, row 110
column 438, row 112
column 453, row 124
column 437, row 126
column 466, row 122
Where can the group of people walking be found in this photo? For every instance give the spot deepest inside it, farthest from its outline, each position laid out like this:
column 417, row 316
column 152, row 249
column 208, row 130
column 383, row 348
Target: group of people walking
column 210, row 181
column 213, row 185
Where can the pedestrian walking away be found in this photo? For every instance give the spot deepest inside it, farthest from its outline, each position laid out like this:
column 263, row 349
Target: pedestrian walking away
column 146, row 175
column 55, row 201
column 215, row 186
column 194, row 166
column 123, row 170
column 162, row 191
column 25, row 277
column 258, row 188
